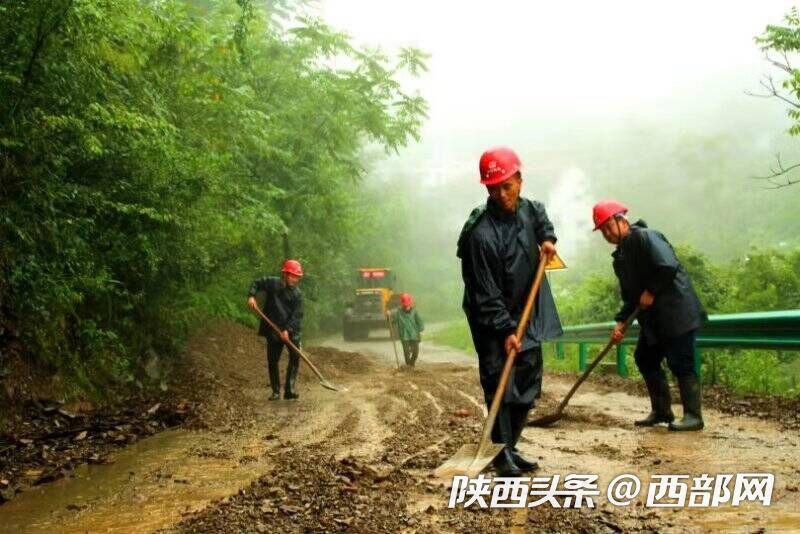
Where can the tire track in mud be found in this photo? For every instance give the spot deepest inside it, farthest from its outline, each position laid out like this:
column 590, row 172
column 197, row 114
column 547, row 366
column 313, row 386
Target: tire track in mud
column 434, row 402
column 386, row 483
column 362, row 461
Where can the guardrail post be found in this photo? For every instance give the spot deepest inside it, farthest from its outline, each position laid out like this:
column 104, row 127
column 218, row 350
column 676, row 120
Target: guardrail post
column 622, row 363
column 559, row 350
column 583, row 356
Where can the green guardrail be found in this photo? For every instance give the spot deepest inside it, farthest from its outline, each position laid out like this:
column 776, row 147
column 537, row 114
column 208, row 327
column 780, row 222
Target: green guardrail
column 777, row 330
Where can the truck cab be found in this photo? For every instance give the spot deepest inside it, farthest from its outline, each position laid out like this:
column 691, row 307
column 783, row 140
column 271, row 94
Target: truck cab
column 372, row 299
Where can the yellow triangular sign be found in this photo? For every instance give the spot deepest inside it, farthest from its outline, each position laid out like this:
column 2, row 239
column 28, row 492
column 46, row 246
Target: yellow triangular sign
column 555, row 263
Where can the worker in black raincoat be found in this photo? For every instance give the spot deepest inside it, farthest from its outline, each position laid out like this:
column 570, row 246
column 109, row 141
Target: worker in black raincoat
column 283, row 305
column 652, row 278
column 499, row 249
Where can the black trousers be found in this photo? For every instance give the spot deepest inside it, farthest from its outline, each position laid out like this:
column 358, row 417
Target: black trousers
column 523, row 388
column 524, row 383
column 274, row 349
column 678, row 351
column 410, row 351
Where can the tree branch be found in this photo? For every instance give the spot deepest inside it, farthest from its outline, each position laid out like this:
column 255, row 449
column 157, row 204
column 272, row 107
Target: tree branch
column 772, row 92
column 780, row 171
column 783, row 66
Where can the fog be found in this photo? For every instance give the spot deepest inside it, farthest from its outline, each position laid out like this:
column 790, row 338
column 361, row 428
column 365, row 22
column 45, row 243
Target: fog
column 640, row 101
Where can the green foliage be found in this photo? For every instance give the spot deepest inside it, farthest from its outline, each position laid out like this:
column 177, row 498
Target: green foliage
column 786, row 40
column 765, row 280
column 751, row 371
column 595, row 299
column 152, row 155
column 396, row 232
column 711, row 282
column 567, row 364
column 762, row 281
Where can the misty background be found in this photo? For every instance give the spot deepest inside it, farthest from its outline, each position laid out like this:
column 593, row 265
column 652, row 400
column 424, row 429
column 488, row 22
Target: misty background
column 157, row 157
column 629, row 100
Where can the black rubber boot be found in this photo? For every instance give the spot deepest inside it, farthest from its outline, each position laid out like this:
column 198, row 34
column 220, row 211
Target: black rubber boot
column 660, row 402
column 519, row 416
column 289, row 392
column 504, row 464
column 275, row 396
column 502, row 432
column 692, row 400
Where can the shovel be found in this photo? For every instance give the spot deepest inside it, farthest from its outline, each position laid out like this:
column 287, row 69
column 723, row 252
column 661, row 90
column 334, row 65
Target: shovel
column 472, row 459
column 548, row 420
column 391, row 336
column 324, row 383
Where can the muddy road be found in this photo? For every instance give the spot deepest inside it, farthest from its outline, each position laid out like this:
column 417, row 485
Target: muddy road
column 361, row 461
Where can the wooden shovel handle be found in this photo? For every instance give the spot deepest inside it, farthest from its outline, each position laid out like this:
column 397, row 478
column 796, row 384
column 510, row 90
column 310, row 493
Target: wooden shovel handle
column 595, row 362
column 290, row 344
column 521, row 327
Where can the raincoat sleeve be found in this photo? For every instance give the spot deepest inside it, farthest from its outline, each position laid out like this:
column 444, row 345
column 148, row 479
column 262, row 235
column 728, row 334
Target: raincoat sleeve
column 488, row 309
column 418, row 320
column 662, row 264
column 296, row 315
column 544, row 228
column 625, row 312
column 259, row 285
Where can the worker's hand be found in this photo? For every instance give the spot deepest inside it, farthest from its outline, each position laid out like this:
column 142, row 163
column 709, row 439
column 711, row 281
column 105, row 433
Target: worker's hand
column 285, row 336
column 618, row 333
column 548, row 249
column 252, row 304
column 646, row 300
column 512, row 343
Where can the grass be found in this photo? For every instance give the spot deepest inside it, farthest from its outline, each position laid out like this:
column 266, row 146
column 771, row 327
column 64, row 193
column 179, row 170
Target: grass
column 454, row 334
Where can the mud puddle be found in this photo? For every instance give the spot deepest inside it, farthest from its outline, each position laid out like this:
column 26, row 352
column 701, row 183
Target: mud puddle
column 149, row 485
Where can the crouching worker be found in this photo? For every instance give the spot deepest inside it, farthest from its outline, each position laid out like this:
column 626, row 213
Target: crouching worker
column 283, row 305
column 651, row 277
column 409, row 326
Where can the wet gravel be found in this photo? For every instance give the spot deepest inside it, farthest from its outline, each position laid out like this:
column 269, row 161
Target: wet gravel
column 356, row 461
column 783, row 410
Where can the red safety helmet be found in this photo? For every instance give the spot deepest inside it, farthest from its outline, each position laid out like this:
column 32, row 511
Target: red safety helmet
column 406, row 299
column 292, row 267
column 606, row 209
column 498, row 165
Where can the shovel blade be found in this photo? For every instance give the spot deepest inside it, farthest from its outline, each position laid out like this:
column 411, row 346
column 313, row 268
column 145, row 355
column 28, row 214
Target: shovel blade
column 546, row 420
column 469, row 460
column 328, row 385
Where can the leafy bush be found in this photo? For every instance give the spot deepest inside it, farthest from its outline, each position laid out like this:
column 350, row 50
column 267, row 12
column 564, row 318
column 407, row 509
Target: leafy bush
column 152, row 154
